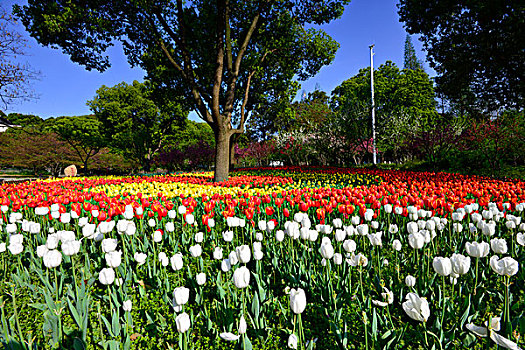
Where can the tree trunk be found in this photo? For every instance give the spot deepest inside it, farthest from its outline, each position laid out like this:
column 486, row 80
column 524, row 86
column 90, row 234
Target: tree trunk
column 222, row 154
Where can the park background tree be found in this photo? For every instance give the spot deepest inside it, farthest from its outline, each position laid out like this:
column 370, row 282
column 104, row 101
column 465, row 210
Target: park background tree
column 83, row 134
column 218, row 54
column 409, row 56
column 131, row 121
column 476, row 48
column 404, row 104
column 15, row 76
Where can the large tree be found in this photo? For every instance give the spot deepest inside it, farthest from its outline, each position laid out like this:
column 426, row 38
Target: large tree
column 404, row 102
column 131, row 121
column 223, row 54
column 15, row 76
column 476, row 47
column 409, row 56
column 82, row 133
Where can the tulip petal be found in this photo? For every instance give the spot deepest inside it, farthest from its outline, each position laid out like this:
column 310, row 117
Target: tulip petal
column 481, row 331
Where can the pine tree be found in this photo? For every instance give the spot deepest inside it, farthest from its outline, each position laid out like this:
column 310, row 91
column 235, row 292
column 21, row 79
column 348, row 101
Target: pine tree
column 411, row 61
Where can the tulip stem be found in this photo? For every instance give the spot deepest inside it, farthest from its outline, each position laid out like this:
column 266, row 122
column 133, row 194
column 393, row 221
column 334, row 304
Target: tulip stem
column 444, row 301
column 476, row 281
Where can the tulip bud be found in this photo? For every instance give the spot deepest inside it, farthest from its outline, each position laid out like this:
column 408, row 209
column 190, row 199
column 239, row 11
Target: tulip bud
column 201, row 278
column 297, row 300
column 140, row 258
column 177, row 262
column 410, row 281
column 183, row 322
column 196, row 250
column 181, row 295
column 241, row 277
column 106, row 276
column 126, row 305
column 292, row 341
column 242, row 325
column 217, row 253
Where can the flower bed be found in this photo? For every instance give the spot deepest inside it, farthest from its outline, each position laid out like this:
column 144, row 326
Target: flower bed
column 275, row 257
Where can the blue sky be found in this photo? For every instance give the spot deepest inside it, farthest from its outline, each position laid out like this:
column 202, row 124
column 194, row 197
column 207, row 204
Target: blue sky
column 64, row 86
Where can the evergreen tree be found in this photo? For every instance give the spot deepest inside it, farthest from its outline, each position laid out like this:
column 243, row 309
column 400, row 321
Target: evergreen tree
column 411, row 61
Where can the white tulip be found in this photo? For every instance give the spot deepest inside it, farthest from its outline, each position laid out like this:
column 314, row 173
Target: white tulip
column 337, row 222
column 241, row 277
column 442, row 266
column 397, row 245
column 226, row 265
column 498, row 245
column 327, row 250
column 126, row 305
column 183, row 322
column 338, row 259
column 416, row 307
column 109, row 245
column 460, row 264
column 228, row 336
column 181, row 295
column 114, row 259
column 242, row 325
column 279, row 235
column 234, row 258
column 349, row 245
column 410, row 281
column 199, row 237
column 16, row 248
column 2, row 247
column 157, row 236
column 292, row 341
column 177, row 262
column 505, row 267
column 41, row 250
column 375, row 238
column 106, row 276
column 297, row 300
column 140, row 258
column 477, row 250
column 201, row 278
column 416, row 240
column 412, row 227
column 340, row 235
column 520, row 238
column 227, row 236
column 52, row 258
column 196, row 250
column 217, row 253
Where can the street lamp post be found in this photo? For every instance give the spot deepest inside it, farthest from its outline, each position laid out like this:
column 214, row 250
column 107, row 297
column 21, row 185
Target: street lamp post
column 374, row 151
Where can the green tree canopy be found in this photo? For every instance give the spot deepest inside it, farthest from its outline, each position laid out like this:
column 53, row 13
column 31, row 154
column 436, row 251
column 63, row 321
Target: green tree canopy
column 410, row 58
column 224, row 55
column 404, row 102
column 131, row 121
column 476, row 47
column 83, row 135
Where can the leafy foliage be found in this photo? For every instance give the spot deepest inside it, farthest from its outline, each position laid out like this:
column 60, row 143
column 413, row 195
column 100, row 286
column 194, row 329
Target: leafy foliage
column 15, row 76
column 476, row 47
column 132, row 122
column 225, row 57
